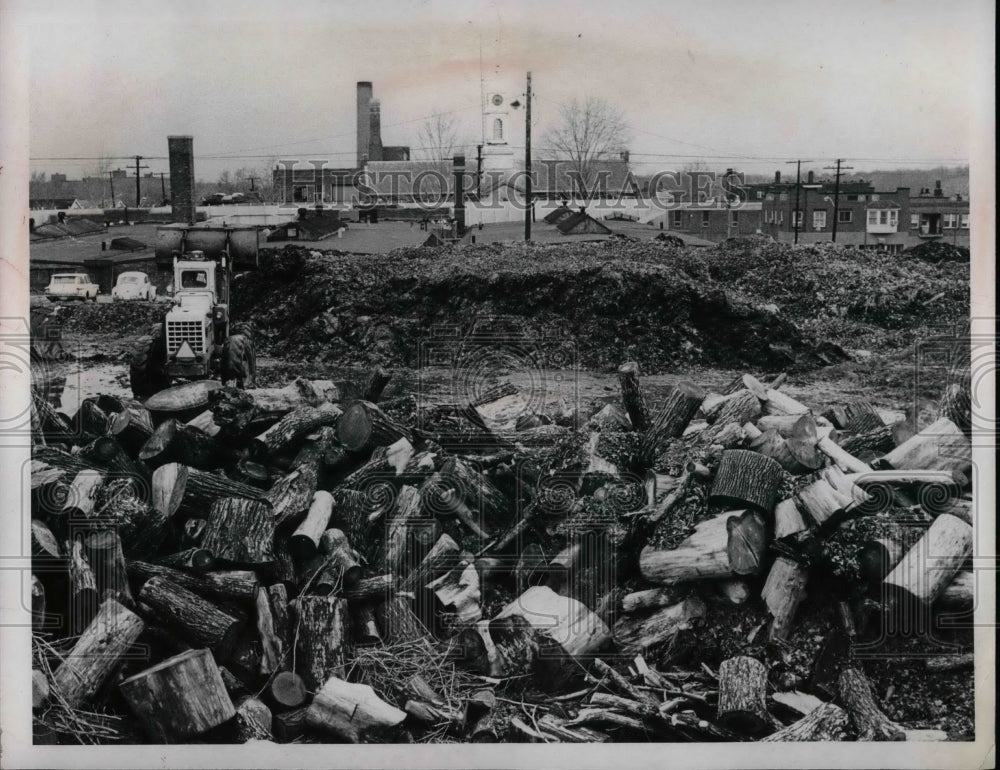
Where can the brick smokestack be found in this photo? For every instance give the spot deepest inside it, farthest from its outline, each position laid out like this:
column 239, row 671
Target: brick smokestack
column 374, row 130
column 182, row 178
column 458, row 171
column 364, row 119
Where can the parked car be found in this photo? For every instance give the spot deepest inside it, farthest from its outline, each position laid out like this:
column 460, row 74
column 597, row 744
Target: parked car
column 133, row 285
column 71, row 286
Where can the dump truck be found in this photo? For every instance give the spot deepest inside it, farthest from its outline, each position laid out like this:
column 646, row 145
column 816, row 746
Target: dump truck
column 196, row 339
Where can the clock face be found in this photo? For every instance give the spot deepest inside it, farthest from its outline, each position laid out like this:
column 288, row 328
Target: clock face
column 497, row 100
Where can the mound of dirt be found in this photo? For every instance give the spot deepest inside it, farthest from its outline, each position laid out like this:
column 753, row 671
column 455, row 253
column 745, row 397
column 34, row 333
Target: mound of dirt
column 605, row 302
column 123, row 318
column 939, row 251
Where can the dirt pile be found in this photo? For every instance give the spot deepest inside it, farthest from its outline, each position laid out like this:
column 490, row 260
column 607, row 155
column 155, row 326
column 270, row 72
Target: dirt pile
column 939, row 251
column 612, row 301
column 124, row 318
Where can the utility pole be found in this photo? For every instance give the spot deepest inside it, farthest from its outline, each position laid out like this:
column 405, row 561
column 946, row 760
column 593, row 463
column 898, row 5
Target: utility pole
column 111, row 178
column 836, row 195
column 798, row 183
column 163, row 186
column 479, row 170
column 138, row 193
column 527, row 160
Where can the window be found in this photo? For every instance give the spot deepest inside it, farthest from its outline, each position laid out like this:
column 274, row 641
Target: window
column 706, row 218
column 194, row 279
column 497, row 130
column 950, row 221
column 851, row 198
column 797, row 218
column 677, row 219
column 914, row 221
column 894, row 217
column 819, row 219
column 844, row 217
column 963, row 221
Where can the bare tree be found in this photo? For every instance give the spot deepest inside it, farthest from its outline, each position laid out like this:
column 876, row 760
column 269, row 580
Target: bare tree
column 589, row 130
column 438, row 137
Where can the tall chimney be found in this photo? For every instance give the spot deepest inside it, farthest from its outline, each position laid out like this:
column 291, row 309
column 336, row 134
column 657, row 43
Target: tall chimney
column 364, row 119
column 374, row 130
column 938, row 192
column 181, row 151
column 777, row 177
column 458, row 171
column 809, row 178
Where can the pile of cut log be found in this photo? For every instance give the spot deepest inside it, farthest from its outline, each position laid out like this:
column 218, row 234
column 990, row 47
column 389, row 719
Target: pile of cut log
column 312, row 563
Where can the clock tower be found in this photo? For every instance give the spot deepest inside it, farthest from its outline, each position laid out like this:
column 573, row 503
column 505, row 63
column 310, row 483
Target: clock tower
column 497, row 154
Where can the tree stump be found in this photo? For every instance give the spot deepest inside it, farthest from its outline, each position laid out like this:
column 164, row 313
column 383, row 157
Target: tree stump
column 240, row 532
column 742, row 695
column 747, row 479
column 632, row 398
column 869, row 721
column 97, row 653
column 179, row 698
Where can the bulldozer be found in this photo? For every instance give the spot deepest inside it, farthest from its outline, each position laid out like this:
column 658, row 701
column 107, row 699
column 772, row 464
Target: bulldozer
column 196, row 339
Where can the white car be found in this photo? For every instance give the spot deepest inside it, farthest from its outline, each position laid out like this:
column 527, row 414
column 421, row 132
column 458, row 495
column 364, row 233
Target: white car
column 71, row 286
column 133, row 285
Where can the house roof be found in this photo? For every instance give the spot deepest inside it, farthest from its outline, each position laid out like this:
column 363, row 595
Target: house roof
column 882, row 204
column 577, row 222
column 127, row 244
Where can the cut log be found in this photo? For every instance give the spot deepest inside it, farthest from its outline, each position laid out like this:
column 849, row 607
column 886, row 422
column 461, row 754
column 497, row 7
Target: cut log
column 372, row 589
column 377, row 379
column 564, row 620
column 401, row 553
column 293, row 427
column 39, row 689
column 838, row 455
column 770, row 444
column 305, row 540
column 205, row 422
column 82, row 496
column 364, row 627
column 288, row 690
column 632, row 398
column 399, row 624
column 49, row 489
column 97, row 653
column 823, row 503
column 748, row 382
column 960, row 592
column 321, row 633
column 132, row 426
column 442, row 557
column 107, row 560
column 868, row 719
column 37, row 603
column 292, row 494
column 235, row 585
column 187, row 492
column 336, row 565
column 726, row 545
column 941, row 446
column 240, row 532
column 781, row 403
column 739, row 408
column 956, row 400
column 194, row 559
column 748, row 479
column 636, row 635
column 672, row 419
column 827, row 722
column 84, row 596
column 788, row 520
column 179, row 698
column 351, row 711
column 43, row 542
column 651, row 598
column 363, row 426
column 253, row 721
column 480, row 494
column 611, row 417
column 950, row 662
column 870, row 443
column 458, row 591
column 198, row 619
column 783, row 591
column 743, row 695
column 175, row 442
column 930, row 565
column 251, row 473
column 861, row 417
column 278, row 627
column 90, row 419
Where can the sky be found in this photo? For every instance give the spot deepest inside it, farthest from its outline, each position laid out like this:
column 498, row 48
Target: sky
column 883, row 84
